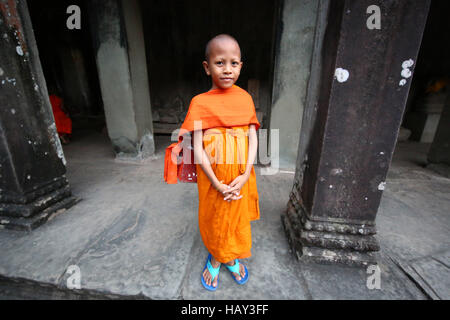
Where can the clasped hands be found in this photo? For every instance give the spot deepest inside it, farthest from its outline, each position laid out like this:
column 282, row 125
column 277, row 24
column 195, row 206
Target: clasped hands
column 232, row 191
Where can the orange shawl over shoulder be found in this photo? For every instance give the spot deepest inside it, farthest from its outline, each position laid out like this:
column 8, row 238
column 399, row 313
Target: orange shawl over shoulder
column 215, row 108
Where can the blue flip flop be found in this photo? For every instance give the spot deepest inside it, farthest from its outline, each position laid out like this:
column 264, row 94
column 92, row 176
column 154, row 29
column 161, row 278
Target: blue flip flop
column 213, row 271
column 235, row 268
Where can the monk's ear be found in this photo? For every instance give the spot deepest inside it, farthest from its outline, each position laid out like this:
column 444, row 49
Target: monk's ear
column 206, row 67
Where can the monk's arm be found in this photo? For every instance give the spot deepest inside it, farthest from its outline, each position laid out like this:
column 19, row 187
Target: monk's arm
column 252, row 147
column 202, row 158
column 240, row 180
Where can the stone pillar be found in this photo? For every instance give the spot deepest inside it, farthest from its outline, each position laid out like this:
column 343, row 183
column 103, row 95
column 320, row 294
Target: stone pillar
column 294, row 47
column 119, row 50
column 33, row 185
column 364, row 83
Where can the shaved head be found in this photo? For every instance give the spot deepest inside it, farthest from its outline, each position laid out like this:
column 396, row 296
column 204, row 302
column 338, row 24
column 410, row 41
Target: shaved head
column 216, row 41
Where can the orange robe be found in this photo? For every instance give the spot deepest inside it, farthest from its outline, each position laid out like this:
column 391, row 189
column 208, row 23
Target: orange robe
column 226, row 115
column 62, row 121
column 225, row 226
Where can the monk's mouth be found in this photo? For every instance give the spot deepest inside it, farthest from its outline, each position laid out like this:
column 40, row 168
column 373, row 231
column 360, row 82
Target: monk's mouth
column 227, row 79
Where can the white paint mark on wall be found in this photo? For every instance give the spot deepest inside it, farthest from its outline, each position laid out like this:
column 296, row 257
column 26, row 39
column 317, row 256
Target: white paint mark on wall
column 341, row 75
column 335, row 172
column 381, row 186
column 13, row 111
column 407, row 64
column 1, row 72
column 19, row 50
column 406, row 72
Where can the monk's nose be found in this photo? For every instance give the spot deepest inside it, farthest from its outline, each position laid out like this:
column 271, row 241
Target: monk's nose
column 227, row 69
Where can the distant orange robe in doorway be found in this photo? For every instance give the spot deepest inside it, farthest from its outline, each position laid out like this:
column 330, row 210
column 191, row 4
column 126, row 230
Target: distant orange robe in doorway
column 226, row 116
column 62, row 121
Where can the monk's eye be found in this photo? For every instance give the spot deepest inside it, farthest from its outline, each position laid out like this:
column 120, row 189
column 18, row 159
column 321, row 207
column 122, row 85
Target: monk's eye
column 235, row 63
column 219, row 63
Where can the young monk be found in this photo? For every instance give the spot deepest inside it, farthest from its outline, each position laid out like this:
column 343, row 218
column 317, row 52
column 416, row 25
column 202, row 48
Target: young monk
column 224, row 150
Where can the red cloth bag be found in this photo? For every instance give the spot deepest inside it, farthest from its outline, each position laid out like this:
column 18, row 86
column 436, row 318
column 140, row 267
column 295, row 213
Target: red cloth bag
column 187, row 170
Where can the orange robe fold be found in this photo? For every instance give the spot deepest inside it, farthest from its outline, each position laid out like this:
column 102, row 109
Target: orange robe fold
column 62, row 121
column 226, row 116
column 225, row 226
column 215, row 108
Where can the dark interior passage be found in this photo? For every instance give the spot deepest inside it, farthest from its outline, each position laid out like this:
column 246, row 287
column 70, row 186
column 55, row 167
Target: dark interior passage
column 176, row 33
column 68, row 62
column 430, row 87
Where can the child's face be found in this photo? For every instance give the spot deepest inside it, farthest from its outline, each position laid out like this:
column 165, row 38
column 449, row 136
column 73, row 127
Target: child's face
column 224, row 63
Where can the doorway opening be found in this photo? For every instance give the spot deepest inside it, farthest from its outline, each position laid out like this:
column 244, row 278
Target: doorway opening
column 69, row 66
column 430, row 89
column 176, row 34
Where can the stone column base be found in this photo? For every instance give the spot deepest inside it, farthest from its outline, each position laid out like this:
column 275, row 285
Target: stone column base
column 25, row 214
column 328, row 242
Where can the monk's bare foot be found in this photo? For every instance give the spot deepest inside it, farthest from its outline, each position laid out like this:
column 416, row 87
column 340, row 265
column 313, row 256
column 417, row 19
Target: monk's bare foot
column 207, row 275
column 241, row 270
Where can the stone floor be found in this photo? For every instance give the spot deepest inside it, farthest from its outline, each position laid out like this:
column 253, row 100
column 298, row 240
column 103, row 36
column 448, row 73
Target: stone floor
column 133, row 236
